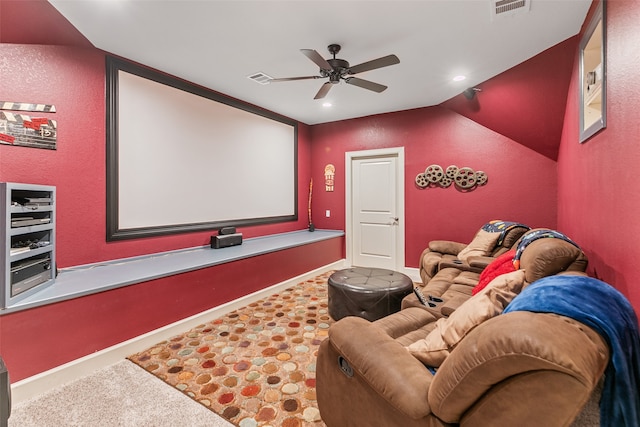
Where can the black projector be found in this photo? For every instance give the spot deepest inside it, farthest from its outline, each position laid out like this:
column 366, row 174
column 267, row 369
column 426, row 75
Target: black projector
column 226, row 240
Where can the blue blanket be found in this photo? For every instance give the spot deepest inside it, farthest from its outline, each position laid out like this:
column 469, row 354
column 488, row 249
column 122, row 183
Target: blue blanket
column 607, row 311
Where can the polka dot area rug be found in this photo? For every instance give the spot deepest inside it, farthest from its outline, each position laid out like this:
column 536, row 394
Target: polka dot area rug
column 256, row 365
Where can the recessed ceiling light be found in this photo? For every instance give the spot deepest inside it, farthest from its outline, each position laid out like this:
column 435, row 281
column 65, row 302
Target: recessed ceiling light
column 458, row 78
column 327, row 104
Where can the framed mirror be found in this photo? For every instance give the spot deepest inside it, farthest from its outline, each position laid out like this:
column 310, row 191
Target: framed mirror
column 593, row 111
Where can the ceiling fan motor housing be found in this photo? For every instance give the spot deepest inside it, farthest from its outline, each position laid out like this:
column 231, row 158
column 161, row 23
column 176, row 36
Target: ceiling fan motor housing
column 338, row 69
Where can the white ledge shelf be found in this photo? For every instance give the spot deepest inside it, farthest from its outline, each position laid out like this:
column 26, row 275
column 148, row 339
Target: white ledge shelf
column 89, row 279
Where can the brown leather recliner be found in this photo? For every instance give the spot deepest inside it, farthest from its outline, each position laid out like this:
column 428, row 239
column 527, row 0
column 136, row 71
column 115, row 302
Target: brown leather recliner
column 541, row 258
column 444, row 253
column 520, row 368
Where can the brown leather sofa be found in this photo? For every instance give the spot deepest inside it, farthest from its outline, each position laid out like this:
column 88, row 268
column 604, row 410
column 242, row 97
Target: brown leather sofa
column 541, row 258
column 514, row 369
column 517, row 369
column 441, row 254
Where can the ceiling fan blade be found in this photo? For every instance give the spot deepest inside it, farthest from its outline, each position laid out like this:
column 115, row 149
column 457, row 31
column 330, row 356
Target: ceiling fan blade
column 324, row 90
column 317, row 58
column 288, row 79
column 366, row 84
column 385, row 61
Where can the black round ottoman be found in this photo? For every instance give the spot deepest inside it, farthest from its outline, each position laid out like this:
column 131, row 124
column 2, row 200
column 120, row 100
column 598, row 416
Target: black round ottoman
column 370, row 293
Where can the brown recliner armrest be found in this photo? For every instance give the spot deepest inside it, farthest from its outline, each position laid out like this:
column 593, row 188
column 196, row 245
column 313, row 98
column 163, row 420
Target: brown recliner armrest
column 474, row 263
column 452, row 304
column 447, row 261
column 385, row 365
column 537, row 358
column 446, row 247
column 434, row 254
column 480, row 262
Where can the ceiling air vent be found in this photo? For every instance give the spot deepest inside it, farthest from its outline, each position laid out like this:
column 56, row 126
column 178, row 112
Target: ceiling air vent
column 261, row 78
column 501, row 8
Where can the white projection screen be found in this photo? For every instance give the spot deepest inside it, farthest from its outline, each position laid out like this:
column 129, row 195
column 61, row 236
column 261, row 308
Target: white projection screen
column 181, row 158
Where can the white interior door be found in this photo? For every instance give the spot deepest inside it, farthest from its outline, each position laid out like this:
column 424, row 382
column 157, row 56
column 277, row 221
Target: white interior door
column 377, row 235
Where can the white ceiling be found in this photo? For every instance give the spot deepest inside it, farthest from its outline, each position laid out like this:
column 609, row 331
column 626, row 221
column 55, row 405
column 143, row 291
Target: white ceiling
column 218, row 44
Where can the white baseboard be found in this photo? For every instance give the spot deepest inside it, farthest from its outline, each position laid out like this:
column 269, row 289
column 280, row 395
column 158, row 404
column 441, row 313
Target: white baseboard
column 45, row 381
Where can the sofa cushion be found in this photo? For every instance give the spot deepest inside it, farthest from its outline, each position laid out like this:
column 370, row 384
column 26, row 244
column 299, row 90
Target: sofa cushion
column 489, row 302
column 547, row 257
column 466, row 278
column 481, row 245
column 534, row 235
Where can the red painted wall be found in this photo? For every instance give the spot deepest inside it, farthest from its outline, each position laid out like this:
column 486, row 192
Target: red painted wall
column 597, row 181
column 521, row 185
column 525, row 103
column 37, row 22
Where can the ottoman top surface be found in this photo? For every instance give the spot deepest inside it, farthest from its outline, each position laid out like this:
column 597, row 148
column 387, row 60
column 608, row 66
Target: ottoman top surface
column 365, row 279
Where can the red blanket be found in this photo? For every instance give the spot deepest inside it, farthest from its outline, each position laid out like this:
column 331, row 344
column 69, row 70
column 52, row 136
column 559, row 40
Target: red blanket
column 501, row 265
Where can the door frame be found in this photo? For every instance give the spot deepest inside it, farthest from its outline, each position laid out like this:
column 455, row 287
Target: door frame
column 350, row 156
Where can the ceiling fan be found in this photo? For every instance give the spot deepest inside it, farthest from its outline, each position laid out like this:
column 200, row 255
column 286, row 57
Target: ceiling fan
column 338, row 69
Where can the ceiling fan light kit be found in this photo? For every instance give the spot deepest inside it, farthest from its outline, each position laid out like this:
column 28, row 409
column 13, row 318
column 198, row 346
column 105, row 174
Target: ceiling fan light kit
column 336, row 69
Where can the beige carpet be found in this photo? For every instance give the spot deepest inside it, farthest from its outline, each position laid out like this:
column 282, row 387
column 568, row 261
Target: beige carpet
column 121, row 395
